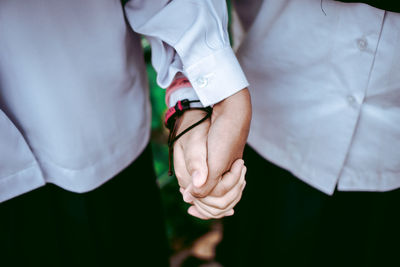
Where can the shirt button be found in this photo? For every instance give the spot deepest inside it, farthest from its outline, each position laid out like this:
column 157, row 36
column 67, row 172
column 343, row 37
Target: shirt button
column 362, row 44
column 202, row 82
column 350, row 99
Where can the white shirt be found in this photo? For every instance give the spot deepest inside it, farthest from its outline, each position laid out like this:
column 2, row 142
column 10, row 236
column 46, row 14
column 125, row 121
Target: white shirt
column 74, row 105
column 325, row 89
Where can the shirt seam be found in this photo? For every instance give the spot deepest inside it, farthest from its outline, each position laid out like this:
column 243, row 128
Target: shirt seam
column 33, row 164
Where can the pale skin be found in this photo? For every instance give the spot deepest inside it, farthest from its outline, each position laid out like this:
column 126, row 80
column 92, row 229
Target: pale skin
column 207, row 160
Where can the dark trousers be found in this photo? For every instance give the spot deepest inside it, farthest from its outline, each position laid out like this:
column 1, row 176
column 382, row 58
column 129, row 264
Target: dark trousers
column 282, row 221
column 118, row 224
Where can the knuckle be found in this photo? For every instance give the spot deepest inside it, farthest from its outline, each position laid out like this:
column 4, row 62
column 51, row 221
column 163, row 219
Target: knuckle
column 195, row 162
column 199, row 194
column 222, row 190
column 196, row 156
column 217, row 193
column 191, row 165
column 219, row 216
column 215, row 213
column 220, row 205
column 179, row 174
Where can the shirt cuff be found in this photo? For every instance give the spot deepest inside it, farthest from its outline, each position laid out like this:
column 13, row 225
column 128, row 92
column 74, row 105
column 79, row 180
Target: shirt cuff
column 216, row 76
column 184, row 93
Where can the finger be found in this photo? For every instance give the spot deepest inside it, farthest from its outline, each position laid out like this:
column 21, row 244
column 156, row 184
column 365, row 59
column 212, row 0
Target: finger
column 194, row 146
column 228, row 205
column 208, row 215
column 227, row 182
column 224, row 203
column 183, row 177
column 196, row 212
column 187, row 197
column 230, row 179
column 216, row 206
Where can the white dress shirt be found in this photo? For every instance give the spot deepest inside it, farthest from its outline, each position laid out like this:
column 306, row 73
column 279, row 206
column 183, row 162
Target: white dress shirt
column 325, row 88
column 74, row 105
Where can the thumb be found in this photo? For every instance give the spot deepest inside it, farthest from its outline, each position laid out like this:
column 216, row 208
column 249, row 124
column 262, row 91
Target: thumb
column 195, row 155
column 194, row 147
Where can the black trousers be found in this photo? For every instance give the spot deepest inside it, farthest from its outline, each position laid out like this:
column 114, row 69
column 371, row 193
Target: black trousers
column 282, row 221
column 118, row 224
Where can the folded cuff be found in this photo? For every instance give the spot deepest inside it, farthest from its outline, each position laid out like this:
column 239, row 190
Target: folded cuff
column 216, row 77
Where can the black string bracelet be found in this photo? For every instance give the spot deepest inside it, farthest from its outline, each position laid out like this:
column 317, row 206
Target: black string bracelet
column 172, row 120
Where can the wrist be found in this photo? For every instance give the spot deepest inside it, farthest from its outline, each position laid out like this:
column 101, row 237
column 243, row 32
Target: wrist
column 237, row 106
column 180, row 89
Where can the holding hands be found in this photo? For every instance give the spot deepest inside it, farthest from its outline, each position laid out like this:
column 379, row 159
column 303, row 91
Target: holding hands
column 207, row 159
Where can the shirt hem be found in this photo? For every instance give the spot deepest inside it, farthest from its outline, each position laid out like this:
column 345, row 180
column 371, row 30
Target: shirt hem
column 21, row 182
column 93, row 177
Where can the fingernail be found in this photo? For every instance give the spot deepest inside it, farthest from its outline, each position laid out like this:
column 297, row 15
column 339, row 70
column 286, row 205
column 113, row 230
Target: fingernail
column 187, row 197
column 230, row 213
column 238, row 165
column 190, row 211
column 243, row 171
column 243, row 186
column 198, row 179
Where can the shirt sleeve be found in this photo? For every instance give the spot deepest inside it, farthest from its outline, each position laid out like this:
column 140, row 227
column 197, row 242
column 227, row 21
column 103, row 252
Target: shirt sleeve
column 190, row 36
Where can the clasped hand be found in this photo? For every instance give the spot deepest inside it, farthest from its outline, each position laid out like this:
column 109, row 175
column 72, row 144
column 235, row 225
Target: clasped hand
column 207, row 159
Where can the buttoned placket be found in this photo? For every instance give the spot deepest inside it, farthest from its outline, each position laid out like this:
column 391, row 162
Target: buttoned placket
column 367, row 45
